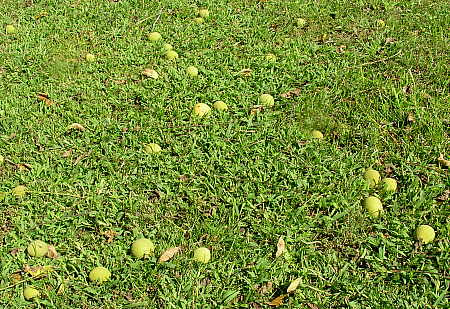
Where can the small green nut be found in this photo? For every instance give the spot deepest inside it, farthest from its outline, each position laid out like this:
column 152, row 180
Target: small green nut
column 90, row 57
column 154, row 36
column 10, row 29
column 99, row 274
column 372, row 177
column 19, row 191
column 220, row 106
column 374, row 206
column 152, row 148
column 301, row 22
column 166, row 47
column 142, row 248
column 37, row 248
column 316, row 134
column 171, row 55
column 271, row 57
column 425, row 234
column 192, row 71
column 202, row 255
column 389, row 185
column 203, row 13
column 29, row 293
column 267, row 100
column 199, row 20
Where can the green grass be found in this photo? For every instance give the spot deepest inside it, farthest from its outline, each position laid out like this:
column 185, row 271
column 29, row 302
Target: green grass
column 233, row 182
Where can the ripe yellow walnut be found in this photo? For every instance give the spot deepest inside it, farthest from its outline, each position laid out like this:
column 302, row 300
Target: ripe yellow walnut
column 372, row 177
column 220, row 105
column 37, row 248
column 316, row 134
column 374, row 206
column 201, row 109
column 142, row 248
column 29, row 293
column 99, row 274
column 389, row 185
column 267, row 100
column 152, row 148
column 202, row 255
column 425, row 234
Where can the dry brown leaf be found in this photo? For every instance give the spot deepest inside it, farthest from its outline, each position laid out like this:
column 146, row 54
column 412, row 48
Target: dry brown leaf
column 246, row 72
column 312, row 306
column 14, row 251
column 256, row 109
column 67, row 153
column 265, row 288
column 444, row 197
column 291, row 93
column 340, row 49
column 442, row 161
column 16, row 277
column 407, row 89
column 38, row 271
column 44, row 98
column 150, row 73
column 110, row 234
column 23, row 167
column 293, row 286
column 52, row 253
column 168, row 254
column 76, row 126
column 278, row 301
column 389, row 40
column 281, row 247
column 411, row 118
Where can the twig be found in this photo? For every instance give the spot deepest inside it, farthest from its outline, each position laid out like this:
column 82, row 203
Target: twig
column 157, row 18
column 375, row 61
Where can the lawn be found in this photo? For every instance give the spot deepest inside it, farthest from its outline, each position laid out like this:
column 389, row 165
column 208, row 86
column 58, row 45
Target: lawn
column 372, row 76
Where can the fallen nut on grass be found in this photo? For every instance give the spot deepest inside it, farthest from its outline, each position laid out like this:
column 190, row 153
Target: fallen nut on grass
column 99, row 274
column 142, row 248
column 37, row 248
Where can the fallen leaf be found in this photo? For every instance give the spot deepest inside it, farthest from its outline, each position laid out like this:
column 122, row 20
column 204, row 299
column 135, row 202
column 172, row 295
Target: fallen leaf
column 52, row 253
column 246, row 72
column 168, row 254
column 76, row 126
column 38, row 271
column 293, row 286
column 150, row 73
column 256, row 109
column 23, row 167
column 14, row 251
column 411, row 118
column 390, row 40
column 16, row 277
column 407, row 89
column 110, row 234
column 389, row 169
column 281, row 247
column 67, row 153
column 444, row 197
column 312, row 306
column 278, row 301
column 291, row 93
column 443, row 162
column 340, row 49
column 45, row 98
column 265, row 288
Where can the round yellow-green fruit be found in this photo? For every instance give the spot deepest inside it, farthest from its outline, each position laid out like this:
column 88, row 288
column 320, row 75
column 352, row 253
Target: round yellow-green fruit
column 171, row 55
column 192, row 71
column 154, row 36
column 372, row 177
column 202, row 255
column 201, row 109
column 99, row 274
column 316, row 134
column 90, row 58
column 301, row 22
column 166, row 47
column 152, row 148
column 425, row 234
column 374, row 206
column 19, row 191
column 271, row 58
column 220, row 106
column 389, row 184
column 142, row 248
column 267, row 100
column 203, row 13
column 10, row 29
column 199, row 20
column 29, row 293
column 37, row 248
